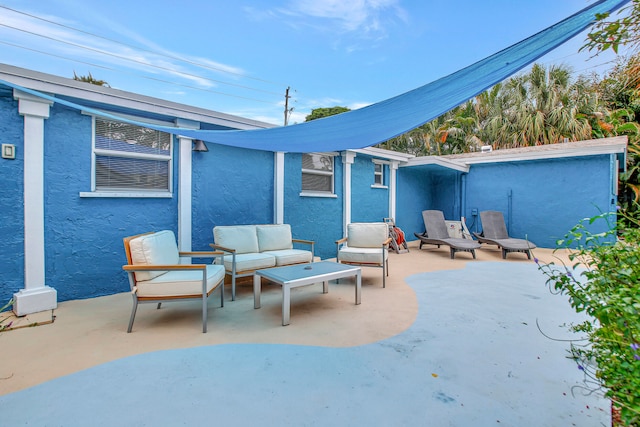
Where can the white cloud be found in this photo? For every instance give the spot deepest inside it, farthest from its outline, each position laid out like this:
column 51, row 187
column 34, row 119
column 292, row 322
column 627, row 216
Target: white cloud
column 352, row 15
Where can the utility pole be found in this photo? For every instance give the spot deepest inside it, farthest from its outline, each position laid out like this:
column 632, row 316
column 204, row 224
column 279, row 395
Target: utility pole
column 287, row 111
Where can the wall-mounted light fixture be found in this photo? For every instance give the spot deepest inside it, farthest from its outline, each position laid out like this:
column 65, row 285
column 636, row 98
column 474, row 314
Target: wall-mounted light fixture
column 199, row 145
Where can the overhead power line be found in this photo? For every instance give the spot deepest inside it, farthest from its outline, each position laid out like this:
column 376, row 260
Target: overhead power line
column 135, row 74
column 198, row 64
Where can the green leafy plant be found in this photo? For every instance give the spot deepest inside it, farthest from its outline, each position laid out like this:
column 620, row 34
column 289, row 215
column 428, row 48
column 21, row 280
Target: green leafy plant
column 4, row 325
column 604, row 283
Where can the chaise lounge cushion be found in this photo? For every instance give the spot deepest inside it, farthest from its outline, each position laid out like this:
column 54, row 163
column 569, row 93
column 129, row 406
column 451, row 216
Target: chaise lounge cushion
column 154, row 249
column 274, row 237
column 242, row 238
column 181, row 283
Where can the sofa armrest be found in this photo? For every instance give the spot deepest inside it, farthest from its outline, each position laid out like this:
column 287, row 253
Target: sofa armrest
column 132, row 268
column 222, row 248
column 307, row 242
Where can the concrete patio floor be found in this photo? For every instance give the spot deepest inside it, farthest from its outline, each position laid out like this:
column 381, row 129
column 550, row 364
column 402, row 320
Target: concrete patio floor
column 447, row 342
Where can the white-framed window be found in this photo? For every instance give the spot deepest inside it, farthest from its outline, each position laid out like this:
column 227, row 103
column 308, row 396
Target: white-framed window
column 378, row 174
column 318, row 174
column 130, row 160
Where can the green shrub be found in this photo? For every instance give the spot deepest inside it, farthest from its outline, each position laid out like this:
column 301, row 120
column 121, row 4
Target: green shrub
column 604, row 283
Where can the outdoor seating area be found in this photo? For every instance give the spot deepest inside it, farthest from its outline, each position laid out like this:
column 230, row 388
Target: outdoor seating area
column 409, row 339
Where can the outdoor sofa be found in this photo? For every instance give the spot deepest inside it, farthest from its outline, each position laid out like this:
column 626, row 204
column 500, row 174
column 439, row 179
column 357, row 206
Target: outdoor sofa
column 255, row 247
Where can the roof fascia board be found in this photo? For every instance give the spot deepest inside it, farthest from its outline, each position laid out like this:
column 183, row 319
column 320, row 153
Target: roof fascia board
column 438, row 161
column 554, row 154
column 385, row 154
column 108, row 96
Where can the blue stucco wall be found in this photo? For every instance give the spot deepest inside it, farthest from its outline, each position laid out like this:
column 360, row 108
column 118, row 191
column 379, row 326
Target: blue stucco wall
column 542, row 200
column 313, row 218
column 367, row 204
column 414, row 194
column 83, row 236
column 11, row 201
column 230, row 186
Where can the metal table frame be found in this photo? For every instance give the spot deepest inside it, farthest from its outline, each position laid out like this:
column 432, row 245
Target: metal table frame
column 303, row 275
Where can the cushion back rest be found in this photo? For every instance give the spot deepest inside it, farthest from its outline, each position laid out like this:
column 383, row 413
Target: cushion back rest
column 274, row 237
column 242, row 238
column 367, row 234
column 158, row 248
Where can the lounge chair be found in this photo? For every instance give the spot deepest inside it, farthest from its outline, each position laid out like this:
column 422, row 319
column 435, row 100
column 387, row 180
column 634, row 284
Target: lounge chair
column 436, row 234
column 494, row 232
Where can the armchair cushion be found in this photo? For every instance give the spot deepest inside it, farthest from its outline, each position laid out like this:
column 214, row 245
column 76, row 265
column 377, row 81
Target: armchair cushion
column 291, row 256
column 154, row 249
column 367, row 235
column 274, row 237
column 242, row 238
column 180, row 283
column 362, row 255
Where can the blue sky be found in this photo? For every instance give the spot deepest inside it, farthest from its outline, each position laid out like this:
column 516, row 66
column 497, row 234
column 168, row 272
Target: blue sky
column 239, row 57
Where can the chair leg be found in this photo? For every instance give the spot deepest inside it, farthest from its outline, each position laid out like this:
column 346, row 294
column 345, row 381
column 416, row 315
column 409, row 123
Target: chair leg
column 504, row 253
column 453, row 253
column 158, row 307
column 222, row 293
column 204, row 313
column 133, row 313
column 473, row 252
column 384, row 271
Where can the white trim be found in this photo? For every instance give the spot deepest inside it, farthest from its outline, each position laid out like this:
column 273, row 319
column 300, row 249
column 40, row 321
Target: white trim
column 278, row 188
column 348, row 157
column 385, row 154
column 437, row 161
column 318, row 194
column 382, row 187
column 35, row 296
column 114, row 194
column 393, row 170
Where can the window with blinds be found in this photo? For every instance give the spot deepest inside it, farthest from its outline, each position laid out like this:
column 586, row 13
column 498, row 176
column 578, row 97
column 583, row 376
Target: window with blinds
column 317, row 173
column 131, row 158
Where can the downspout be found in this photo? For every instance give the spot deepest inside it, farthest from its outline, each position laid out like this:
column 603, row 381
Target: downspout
column 509, row 209
column 463, row 195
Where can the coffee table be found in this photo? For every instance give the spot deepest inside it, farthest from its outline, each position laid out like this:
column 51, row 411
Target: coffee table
column 297, row 275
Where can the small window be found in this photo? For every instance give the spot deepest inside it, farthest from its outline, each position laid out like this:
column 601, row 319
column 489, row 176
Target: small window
column 317, row 173
column 130, row 158
column 378, row 174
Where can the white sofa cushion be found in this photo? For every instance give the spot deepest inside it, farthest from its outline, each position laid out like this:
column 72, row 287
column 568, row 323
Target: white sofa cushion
column 242, row 238
column 362, row 255
column 178, row 283
column 158, row 248
column 274, row 237
column 247, row 262
column 367, row 234
column 290, row 256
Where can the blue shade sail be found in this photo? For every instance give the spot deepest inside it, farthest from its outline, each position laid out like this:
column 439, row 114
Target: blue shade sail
column 392, row 117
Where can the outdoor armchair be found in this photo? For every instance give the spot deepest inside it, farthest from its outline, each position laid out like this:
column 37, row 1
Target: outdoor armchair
column 367, row 245
column 156, row 275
